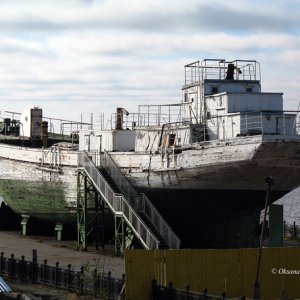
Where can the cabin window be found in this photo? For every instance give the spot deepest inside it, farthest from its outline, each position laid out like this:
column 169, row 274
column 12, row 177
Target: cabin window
column 172, row 139
column 186, row 97
column 249, row 89
column 214, row 90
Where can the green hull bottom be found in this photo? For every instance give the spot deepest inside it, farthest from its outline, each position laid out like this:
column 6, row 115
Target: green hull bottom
column 44, row 200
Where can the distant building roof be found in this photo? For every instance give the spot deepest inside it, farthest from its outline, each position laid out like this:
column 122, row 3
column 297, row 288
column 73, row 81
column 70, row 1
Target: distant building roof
column 4, row 288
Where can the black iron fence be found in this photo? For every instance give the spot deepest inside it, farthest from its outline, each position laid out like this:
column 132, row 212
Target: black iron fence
column 170, row 293
column 291, row 230
column 99, row 285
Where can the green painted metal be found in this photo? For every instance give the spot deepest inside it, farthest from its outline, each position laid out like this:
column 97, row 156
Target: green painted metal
column 81, row 210
column 276, row 225
column 90, row 212
column 119, row 235
column 123, row 235
column 40, row 199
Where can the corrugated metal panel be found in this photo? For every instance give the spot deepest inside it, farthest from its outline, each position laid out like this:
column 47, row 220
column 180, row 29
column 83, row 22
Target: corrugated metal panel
column 4, row 288
column 231, row 271
column 140, row 266
column 254, row 102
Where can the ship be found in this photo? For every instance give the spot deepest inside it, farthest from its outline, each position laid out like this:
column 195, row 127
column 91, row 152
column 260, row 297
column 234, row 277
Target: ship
column 201, row 163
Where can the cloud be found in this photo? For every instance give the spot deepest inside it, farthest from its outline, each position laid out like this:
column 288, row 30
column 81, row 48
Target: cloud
column 100, row 54
column 153, row 16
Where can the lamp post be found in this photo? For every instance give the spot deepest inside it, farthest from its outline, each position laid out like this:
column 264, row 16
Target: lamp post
column 256, row 288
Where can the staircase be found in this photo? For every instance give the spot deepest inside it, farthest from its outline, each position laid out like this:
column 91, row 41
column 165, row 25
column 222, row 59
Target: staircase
column 145, row 219
column 142, row 205
column 125, row 202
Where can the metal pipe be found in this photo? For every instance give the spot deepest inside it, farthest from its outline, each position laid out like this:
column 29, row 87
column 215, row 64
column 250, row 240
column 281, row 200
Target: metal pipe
column 256, row 287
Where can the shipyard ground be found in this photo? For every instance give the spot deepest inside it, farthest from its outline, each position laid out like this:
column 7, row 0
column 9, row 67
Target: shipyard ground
column 64, row 252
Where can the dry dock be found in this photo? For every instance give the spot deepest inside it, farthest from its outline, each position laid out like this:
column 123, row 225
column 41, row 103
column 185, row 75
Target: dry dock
column 64, row 252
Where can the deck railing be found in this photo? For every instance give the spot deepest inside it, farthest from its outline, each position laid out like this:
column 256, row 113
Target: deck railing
column 249, row 123
column 141, row 203
column 157, row 115
column 217, row 69
column 118, row 203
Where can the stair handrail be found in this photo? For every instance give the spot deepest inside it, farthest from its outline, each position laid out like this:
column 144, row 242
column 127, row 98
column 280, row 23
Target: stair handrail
column 141, row 202
column 117, row 202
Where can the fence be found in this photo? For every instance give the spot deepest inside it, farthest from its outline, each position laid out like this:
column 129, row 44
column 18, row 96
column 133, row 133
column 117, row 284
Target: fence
column 99, row 285
column 291, row 230
column 170, row 293
column 232, row 271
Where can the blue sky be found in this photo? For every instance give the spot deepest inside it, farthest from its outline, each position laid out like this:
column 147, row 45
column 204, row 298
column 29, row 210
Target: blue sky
column 80, row 56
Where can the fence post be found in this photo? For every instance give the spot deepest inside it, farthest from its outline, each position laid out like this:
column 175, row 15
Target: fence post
column 22, row 264
column 1, row 262
column 56, row 273
column 34, row 267
column 171, row 291
column 187, row 291
column 81, row 278
column 154, row 289
column 44, row 271
column 109, row 280
column 68, row 276
column 205, row 293
column 95, row 283
column 12, row 265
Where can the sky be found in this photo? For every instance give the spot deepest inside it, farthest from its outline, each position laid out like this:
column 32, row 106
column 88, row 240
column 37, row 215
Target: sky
column 73, row 57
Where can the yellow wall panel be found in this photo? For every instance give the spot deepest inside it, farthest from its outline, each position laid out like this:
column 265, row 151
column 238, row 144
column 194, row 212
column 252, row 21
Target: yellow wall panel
column 230, row 271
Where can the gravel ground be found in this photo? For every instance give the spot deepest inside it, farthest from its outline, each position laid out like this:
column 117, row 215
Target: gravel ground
column 64, row 252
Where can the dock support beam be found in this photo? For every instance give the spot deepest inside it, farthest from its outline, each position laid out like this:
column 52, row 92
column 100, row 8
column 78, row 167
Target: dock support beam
column 81, row 210
column 58, row 231
column 24, row 221
column 123, row 235
column 90, row 213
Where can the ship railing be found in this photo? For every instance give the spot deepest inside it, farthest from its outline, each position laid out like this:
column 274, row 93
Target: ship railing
column 249, row 123
column 65, row 127
column 118, row 203
column 141, row 203
column 157, row 115
column 147, row 115
column 216, row 69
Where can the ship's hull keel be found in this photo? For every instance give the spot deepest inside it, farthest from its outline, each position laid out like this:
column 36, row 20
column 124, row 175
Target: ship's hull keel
column 212, row 218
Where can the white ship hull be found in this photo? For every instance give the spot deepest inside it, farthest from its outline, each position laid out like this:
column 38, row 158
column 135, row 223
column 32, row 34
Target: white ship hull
column 237, row 164
column 220, row 180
